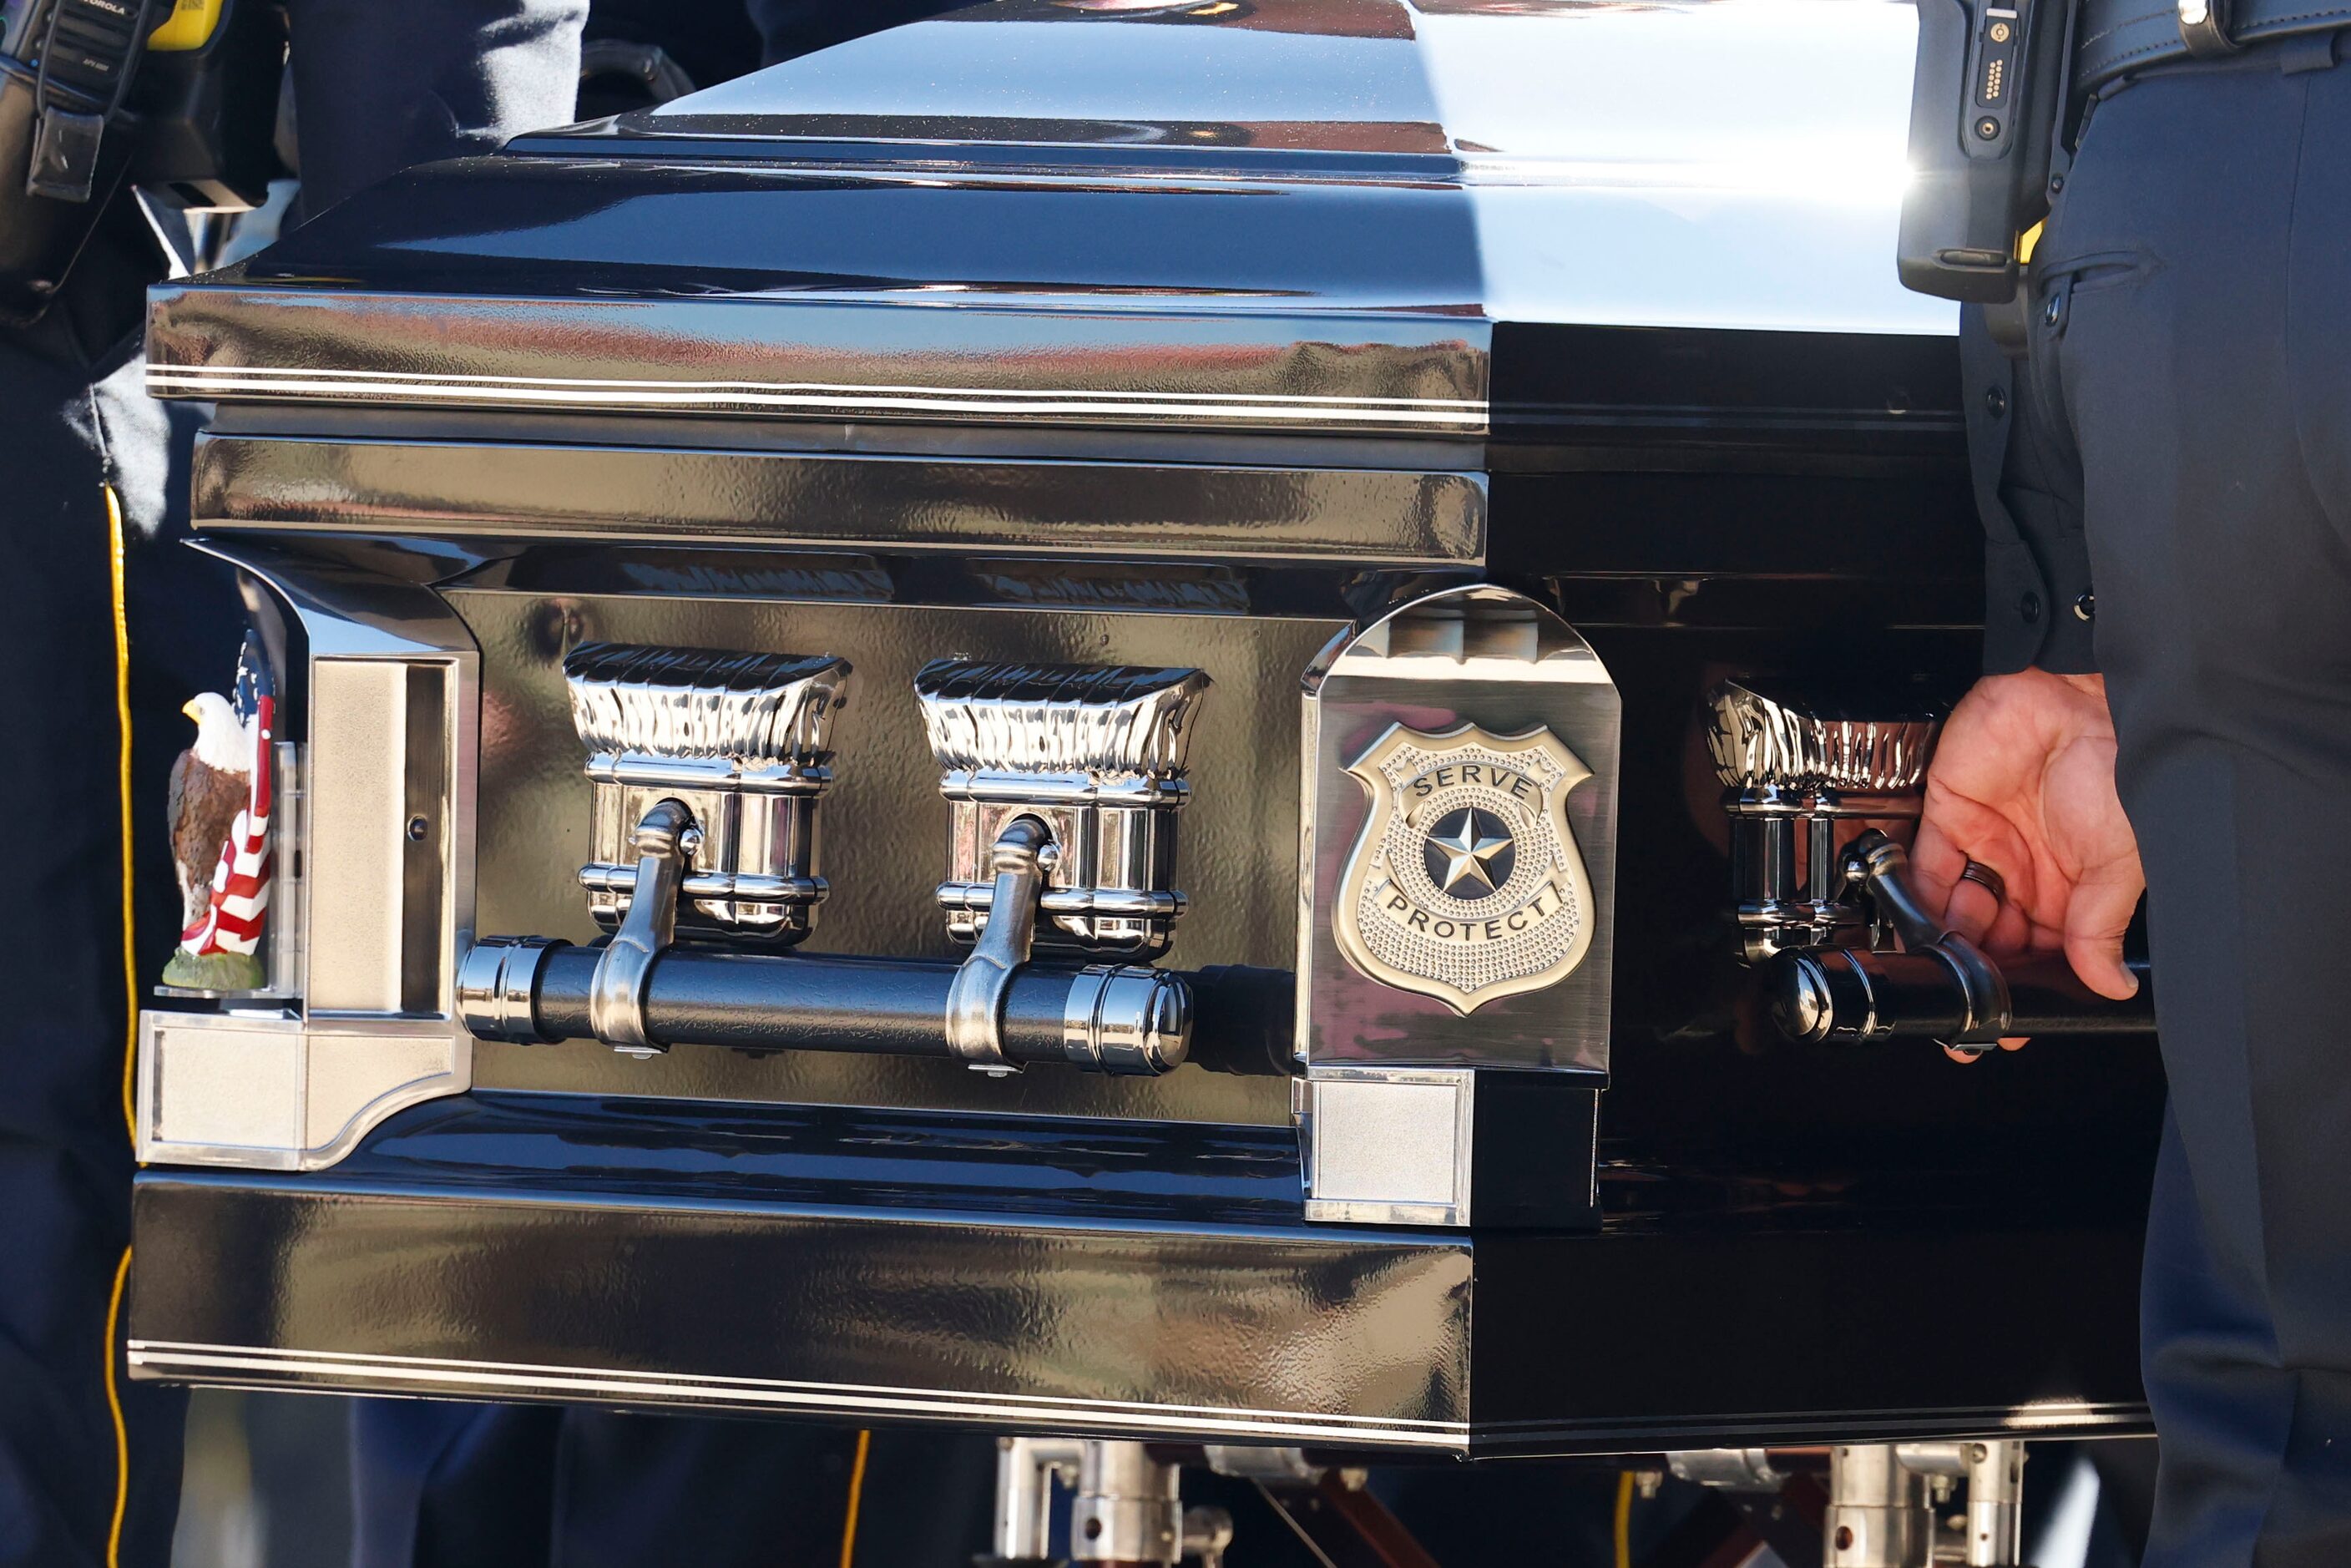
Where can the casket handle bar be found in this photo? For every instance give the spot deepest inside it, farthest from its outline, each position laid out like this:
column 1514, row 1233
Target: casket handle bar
column 996, row 1011
column 1805, row 764
column 1939, row 987
column 1117, row 1019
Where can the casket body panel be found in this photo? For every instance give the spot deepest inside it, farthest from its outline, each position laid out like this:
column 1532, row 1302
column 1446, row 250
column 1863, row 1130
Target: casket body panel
column 1041, row 1274
column 1346, row 305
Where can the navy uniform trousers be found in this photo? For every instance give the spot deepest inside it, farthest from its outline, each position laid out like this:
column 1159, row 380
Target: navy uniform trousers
column 89, row 1462
column 2184, row 438
column 75, row 423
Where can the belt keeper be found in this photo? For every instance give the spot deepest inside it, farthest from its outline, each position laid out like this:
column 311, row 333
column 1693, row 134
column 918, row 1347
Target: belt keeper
column 2204, row 28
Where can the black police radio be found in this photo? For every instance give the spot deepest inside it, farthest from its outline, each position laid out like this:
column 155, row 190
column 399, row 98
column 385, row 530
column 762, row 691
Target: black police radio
column 174, row 94
column 1985, row 112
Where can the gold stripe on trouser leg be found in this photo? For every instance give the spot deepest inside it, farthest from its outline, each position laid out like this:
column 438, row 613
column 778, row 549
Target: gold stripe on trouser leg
column 856, row 1496
column 131, row 1011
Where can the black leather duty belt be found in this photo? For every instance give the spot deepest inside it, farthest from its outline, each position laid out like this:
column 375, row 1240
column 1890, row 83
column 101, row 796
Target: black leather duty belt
column 2115, row 39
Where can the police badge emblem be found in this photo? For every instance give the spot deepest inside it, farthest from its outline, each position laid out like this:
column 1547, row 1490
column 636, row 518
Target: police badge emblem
column 1465, row 884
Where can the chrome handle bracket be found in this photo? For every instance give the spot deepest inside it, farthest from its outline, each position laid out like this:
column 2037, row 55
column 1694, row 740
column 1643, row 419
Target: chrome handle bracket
column 616, row 997
column 1940, row 985
column 1883, row 866
column 975, row 1013
column 743, row 741
column 1095, row 752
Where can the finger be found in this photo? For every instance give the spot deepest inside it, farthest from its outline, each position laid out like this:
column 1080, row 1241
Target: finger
column 2011, row 931
column 2096, row 918
column 1935, row 860
column 1967, row 1053
column 1972, row 911
column 1950, row 838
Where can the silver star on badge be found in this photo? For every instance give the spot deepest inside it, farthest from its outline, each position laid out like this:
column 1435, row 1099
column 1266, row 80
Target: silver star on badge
column 1468, row 854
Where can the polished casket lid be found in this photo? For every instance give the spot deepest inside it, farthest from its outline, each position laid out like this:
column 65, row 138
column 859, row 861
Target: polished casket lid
column 1319, row 216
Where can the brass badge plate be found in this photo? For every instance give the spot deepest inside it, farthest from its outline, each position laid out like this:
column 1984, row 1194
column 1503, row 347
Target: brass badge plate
column 1466, row 884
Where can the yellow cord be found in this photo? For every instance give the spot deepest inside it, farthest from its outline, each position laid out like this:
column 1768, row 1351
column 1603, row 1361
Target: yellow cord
column 114, row 1408
column 1624, row 1518
column 131, row 1000
column 856, row 1496
column 122, row 724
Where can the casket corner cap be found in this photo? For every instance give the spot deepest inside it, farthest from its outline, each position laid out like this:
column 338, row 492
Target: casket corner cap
column 1547, row 648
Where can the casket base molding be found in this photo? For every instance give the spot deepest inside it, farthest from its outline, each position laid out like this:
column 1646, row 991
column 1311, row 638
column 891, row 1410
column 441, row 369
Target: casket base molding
column 1063, row 1275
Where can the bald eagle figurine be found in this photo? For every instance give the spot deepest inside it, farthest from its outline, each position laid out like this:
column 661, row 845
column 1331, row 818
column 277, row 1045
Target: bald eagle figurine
column 210, row 785
column 219, row 806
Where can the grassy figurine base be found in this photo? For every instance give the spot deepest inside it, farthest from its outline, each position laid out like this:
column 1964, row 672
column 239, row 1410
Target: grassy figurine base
column 215, row 972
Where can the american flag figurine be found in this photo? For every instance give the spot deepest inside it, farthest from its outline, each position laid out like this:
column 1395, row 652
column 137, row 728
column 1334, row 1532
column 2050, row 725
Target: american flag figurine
column 220, row 811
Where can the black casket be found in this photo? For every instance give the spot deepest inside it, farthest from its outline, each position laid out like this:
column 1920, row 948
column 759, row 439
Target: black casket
column 758, row 586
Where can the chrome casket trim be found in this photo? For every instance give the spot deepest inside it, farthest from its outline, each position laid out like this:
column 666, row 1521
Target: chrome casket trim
column 384, row 850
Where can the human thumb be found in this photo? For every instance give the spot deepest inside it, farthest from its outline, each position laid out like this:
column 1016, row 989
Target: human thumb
column 2097, row 916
